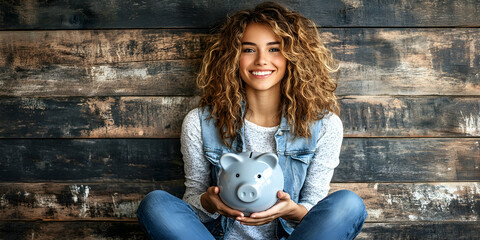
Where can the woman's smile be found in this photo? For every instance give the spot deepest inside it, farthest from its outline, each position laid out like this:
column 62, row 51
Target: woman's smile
column 261, row 74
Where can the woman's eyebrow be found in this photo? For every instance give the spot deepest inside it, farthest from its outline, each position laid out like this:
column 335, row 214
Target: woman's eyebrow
column 251, row 43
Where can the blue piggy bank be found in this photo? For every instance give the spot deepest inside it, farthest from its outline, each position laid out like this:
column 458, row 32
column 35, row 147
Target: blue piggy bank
column 249, row 181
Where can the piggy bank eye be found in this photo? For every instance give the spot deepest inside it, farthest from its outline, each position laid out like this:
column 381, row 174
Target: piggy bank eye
column 259, row 176
column 237, row 175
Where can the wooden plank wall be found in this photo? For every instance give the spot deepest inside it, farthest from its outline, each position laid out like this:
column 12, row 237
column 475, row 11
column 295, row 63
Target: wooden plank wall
column 92, row 96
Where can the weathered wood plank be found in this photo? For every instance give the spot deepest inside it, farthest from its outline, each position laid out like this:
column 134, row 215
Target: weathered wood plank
column 408, row 160
column 95, row 160
column 407, row 61
column 439, row 201
column 386, row 202
column 365, row 116
column 161, row 117
column 71, row 230
column 131, row 230
column 60, row 201
column 99, row 117
column 146, row 160
column 153, row 14
column 164, row 62
column 421, row 230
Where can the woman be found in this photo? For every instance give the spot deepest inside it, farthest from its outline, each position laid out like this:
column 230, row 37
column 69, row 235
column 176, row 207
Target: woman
column 266, row 88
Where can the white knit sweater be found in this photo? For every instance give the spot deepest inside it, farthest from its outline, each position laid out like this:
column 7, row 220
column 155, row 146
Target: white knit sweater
column 258, row 139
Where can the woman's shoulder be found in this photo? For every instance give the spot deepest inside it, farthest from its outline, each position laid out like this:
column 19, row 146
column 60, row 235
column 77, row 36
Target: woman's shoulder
column 331, row 122
column 192, row 118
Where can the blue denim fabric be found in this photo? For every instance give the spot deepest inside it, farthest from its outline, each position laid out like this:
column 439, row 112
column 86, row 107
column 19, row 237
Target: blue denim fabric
column 294, row 155
column 338, row 216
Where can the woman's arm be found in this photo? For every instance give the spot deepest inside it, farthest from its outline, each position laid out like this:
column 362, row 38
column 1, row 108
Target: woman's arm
column 199, row 194
column 197, row 168
column 326, row 158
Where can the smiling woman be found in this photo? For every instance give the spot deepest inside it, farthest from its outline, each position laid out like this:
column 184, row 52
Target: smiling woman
column 266, row 88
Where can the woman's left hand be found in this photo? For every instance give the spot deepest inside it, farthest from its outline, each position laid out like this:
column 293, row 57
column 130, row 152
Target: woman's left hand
column 285, row 208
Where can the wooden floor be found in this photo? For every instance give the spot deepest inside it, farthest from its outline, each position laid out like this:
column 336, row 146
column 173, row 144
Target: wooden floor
column 92, row 97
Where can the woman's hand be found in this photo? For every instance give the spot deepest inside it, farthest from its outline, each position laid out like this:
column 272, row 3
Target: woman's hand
column 285, row 208
column 212, row 203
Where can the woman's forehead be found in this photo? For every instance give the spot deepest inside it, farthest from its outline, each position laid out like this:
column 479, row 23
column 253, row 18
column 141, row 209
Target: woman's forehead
column 259, row 33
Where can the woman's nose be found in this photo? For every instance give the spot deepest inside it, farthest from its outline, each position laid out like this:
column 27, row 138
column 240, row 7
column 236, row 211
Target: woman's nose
column 261, row 59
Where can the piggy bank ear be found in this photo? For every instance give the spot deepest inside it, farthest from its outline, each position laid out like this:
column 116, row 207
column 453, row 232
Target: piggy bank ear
column 228, row 159
column 269, row 158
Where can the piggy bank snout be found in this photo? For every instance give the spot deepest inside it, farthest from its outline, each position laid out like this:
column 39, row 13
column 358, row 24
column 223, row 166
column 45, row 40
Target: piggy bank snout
column 248, row 193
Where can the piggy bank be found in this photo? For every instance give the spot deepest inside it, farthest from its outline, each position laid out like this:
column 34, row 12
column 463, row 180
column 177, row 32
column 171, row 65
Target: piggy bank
column 249, row 181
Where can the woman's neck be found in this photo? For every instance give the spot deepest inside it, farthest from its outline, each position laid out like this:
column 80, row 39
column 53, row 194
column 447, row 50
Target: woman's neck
column 263, row 108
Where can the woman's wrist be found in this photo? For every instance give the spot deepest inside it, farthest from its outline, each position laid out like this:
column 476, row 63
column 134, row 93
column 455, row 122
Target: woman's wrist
column 297, row 213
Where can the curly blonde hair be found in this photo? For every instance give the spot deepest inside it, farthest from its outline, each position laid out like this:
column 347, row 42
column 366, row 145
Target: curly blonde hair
column 307, row 89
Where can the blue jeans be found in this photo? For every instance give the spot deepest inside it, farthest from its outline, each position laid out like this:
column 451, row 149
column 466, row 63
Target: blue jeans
column 338, row 216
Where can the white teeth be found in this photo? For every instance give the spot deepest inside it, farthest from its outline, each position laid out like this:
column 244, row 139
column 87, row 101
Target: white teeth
column 261, row 73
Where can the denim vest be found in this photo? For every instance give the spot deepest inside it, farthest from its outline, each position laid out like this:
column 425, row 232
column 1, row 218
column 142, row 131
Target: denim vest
column 294, row 155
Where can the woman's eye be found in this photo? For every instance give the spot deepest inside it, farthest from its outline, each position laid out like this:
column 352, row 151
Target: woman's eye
column 248, row 50
column 274, row 50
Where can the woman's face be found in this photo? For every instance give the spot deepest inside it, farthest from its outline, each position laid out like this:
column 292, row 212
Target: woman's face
column 262, row 65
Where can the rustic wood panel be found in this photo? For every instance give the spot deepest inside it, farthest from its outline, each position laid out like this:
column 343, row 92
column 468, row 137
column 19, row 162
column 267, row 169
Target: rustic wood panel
column 99, row 117
column 84, row 47
column 365, row 116
column 35, row 14
column 60, row 201
column 161, row 117
column 131, row 230
column 95, row 160
column 71, row 230
column 164, row 62
column 421, row 230
column 386, row 202
column 408, row 160
column 146, row 160
column 439, row 201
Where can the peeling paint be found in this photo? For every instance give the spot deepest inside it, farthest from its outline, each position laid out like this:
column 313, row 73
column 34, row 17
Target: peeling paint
column 471, row 124
column 108, row 73
column 80, row 194
column 33, row 104
column 126, row 209
column 46, row 200
column 3, row 201
column 412, row 217
column 353, row 3
column 445, row 198
column 375, row 213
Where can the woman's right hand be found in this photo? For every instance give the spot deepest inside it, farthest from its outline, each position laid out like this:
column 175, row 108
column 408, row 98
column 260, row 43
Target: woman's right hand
column 212, row 203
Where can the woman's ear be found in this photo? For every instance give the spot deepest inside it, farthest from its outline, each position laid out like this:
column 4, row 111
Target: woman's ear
column 228, row 159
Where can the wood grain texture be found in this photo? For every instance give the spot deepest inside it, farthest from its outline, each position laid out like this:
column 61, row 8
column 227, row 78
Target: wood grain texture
column 71, row 230
column 164, row 62
column 365, row 116
column 147, row 160
column 408, row 160
column 161, row 117
column 60, row 201
column 421, row 230
column 35, row 14
column 385, row 202
column 99, row 117
column 93, row 160
column 132, row 230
